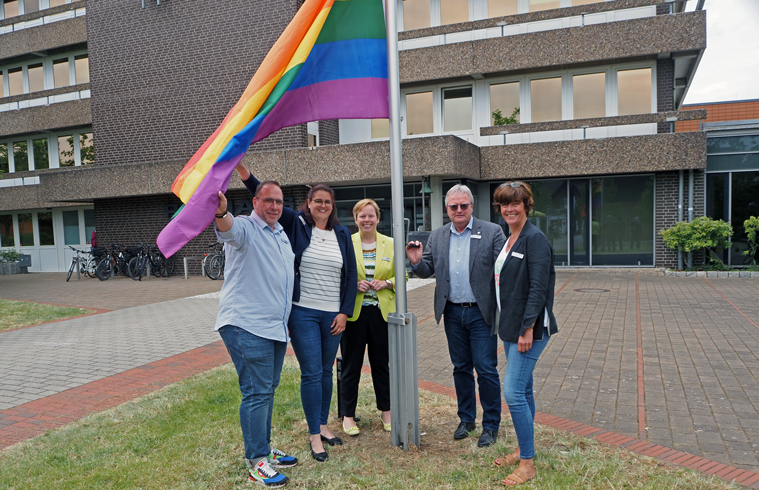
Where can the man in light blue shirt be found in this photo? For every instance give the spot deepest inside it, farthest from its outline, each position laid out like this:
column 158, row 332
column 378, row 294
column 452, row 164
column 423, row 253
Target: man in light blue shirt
column 462, row 256
column 254, row 308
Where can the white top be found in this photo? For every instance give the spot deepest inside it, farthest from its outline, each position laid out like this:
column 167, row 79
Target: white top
column 320, row 269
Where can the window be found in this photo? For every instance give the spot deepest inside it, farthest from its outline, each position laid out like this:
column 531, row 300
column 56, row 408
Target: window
column 66, row 151
column 634, row 91
column 6, row 231
column 584, row 2
column 36, row 78
column 499, row 8
column 589, row 93
column 20, row 156
column 31, row 6
column 419, row 113
column 10, row 8
column 89, row 224
column 545, row 97
column 57, row 3
column 61, row 73
column 15, row 81
column 25, row 230
column 504, row 97
column 380, row 128
column 41, row 158
column 70, row 227
column 537, row 5
column 82, row 68
column 454, row 11
column 4, row 165
column 416, row 14
column 45, row 226
column 457, row 109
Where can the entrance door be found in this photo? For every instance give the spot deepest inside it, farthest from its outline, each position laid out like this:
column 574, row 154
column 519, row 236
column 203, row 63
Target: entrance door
column 579, row 232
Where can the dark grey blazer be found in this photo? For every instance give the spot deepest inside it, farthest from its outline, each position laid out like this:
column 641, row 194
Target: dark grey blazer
column 482, row 254
column 527, row 286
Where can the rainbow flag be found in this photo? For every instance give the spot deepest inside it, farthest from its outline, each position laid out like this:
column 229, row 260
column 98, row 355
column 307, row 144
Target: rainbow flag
column 329, row 63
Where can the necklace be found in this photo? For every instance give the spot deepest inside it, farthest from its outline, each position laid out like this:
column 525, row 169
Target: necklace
column 321, row 233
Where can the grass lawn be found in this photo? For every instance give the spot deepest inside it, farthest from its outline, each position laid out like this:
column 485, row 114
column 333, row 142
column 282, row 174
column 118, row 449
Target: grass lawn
column 187, row 436
column 15, row 314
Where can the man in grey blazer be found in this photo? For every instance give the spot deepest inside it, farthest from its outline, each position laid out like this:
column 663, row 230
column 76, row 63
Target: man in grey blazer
column 462, row 256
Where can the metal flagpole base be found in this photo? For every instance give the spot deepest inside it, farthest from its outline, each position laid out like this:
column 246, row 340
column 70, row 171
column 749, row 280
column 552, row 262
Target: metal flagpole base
column 404, row 380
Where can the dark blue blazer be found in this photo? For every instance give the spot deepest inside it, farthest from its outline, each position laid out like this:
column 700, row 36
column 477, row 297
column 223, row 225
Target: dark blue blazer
column 299, row 233
column 527, row 286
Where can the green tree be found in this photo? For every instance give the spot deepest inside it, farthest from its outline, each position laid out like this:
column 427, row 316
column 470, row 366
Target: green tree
column 703, row 233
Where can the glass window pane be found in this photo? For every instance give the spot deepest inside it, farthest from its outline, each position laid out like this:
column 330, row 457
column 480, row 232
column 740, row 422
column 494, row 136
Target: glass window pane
column 57, row 3
column 744, row 204
column 45, row 225
column 732, row 144
column 82, row 67
column 71, row 227
column 36, row 78
column 41, row 159
column 623, row 226
column 6, row 231
column 89, row 223
column 15, row 81
column 504, row 97
column 746, row 161
column 584, row 2
column 21, row 156
column 4, row 165
column 419, row 113
column 416, row 14
column 66, row 151
column 11, row 8
column 25, row 230
column 549, row 213
column 716, row 196
column 589, row 92
column 87, row 150
column 499, row 8
column 457, row 109
column 545, row 96
column 61, row 73
column 454, row 11
column 31, row 6
column 380, row 128
column 536, row 5
column 634, row 91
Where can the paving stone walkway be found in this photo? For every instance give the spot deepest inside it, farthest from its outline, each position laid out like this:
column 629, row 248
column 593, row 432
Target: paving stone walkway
column 665, row 366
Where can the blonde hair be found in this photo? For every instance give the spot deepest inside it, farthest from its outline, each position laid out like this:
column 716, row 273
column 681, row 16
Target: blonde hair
column 364, row 203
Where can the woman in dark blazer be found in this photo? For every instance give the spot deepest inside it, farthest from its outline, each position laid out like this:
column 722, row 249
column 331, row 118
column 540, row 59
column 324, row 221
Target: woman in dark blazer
column 525, row 279
column 324, row 297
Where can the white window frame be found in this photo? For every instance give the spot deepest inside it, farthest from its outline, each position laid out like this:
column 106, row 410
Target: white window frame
column 47, row 67
column 44, row 5
column 52, row 148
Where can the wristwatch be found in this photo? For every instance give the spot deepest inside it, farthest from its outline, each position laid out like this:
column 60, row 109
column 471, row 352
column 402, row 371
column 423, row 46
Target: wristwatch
column 389, row 283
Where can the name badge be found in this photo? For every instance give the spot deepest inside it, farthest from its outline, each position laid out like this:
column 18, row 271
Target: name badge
column 386, row 258
column 517, row 255
column 477, row 237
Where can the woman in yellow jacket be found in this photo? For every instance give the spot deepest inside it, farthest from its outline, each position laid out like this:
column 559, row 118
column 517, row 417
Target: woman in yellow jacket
column 375, row 298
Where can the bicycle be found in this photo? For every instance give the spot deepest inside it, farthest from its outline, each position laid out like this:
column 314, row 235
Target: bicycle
column 217, row 247
column 78, row 261
column 115, row 260
column 216, row 265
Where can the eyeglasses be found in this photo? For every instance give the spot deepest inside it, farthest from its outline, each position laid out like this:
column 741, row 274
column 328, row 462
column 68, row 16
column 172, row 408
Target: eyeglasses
column 269, row 201
column 511, row 184
column 320, row 202
column 455, row 207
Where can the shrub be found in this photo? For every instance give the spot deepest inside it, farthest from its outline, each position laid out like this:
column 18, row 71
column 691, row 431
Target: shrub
column 9, row 255
column 751, row 226
column 703, row 233
column 500, row 120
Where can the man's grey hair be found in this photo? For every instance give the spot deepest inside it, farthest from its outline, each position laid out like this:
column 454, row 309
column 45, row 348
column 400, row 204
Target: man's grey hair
column 459, row 189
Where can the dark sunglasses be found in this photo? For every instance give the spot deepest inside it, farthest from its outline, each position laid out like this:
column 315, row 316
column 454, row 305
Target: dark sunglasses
column 455, row 207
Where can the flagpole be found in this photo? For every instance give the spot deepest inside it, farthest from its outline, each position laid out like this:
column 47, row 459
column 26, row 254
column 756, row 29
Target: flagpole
column 404, row 385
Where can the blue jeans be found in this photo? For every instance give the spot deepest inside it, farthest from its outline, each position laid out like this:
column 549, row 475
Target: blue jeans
column 259, row 364
column 517, row 390
column 472, row 346
column 315, row 347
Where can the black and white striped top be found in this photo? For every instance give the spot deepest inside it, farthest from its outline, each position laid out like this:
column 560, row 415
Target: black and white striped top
column 320, row 268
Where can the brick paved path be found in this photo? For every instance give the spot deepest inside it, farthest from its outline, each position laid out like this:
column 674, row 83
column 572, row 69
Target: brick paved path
column 664, row 366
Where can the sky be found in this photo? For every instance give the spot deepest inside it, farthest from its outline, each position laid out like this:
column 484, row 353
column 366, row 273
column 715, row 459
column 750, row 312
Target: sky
column 729, row 68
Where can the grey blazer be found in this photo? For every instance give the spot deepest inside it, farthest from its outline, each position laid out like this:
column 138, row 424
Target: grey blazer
column 482, row 255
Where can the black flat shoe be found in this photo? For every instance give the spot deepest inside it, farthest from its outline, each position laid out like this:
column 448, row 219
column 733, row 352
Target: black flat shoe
column 320, row 457
column 335, row 441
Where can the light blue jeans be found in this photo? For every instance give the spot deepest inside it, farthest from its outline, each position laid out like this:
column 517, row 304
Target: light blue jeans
column 315, row 348
column 258, row 362
column 517, row 390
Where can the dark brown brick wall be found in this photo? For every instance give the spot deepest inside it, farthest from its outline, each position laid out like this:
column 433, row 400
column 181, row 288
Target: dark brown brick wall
column 164, row 77
column 667, row 193
column 665, row 90
column 329, row 132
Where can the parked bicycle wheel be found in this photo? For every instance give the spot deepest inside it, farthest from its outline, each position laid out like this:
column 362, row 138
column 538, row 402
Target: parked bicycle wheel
column 71, row 269
column 216, row 267
column 89, row 266
column 104, row 268
column 135, row 268
column 168, row 267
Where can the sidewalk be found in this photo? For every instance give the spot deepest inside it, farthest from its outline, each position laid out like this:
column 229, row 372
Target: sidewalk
column 662, row 365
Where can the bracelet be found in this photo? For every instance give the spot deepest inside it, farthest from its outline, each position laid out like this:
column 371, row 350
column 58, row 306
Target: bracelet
column 224, row 215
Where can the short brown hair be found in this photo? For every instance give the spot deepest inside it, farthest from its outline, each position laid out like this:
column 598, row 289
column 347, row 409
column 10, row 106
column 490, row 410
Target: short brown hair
column 364, row 203
column 514, row 191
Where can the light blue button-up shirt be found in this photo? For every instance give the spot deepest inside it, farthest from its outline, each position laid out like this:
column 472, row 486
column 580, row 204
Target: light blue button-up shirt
column 258, row 278
column 458, row 265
